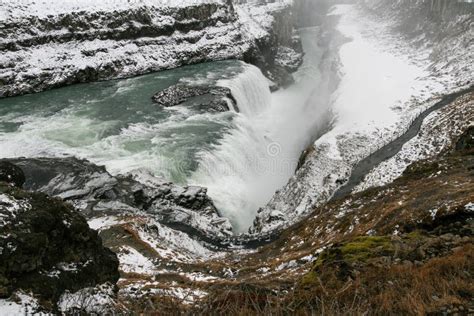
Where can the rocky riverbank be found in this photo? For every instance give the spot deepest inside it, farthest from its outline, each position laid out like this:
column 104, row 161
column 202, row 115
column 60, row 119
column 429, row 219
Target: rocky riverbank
column 340, row 248
column 347, row 255
column 401, row 243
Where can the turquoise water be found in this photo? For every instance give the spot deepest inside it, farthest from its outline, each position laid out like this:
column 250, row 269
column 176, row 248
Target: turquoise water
column 116, row 124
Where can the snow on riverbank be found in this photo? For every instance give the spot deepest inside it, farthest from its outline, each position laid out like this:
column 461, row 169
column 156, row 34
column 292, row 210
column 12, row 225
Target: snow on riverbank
column 437, row 133
column 19, row 304
column 50, row 44
column 382, row 89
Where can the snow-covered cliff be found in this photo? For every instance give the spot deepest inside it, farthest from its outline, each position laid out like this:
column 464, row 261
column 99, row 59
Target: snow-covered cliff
column 45, row 45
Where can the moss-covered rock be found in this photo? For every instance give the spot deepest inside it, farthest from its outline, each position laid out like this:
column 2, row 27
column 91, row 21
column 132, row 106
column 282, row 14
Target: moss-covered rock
column 343, row 257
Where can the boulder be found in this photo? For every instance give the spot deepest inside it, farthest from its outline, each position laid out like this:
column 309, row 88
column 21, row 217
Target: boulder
column 210, row 98
column 47, row 247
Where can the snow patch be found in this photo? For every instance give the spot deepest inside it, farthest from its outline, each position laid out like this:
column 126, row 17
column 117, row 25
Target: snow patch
column 132, row 261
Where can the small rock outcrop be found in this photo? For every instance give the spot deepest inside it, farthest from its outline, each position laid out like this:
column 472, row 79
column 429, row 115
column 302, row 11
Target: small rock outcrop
column 214, row 99
column 47, row 247
column 466, row 140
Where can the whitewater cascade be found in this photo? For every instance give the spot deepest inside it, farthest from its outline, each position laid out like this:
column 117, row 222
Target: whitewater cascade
column 250, row 89
column 261, row 153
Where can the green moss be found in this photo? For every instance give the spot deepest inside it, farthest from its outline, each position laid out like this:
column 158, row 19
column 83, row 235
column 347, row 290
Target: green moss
column 357, row 250
column 4, row 187
column 415, row 235
column 309, row 278
column 363, row 248
column 420, row 169
column 13, row 191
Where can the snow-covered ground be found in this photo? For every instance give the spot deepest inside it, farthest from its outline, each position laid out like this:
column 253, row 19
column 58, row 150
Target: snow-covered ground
column 437, row 133
column 384, row 85
column 256, row 20
column 166, row 243
column 20, row 304
column 376, row 84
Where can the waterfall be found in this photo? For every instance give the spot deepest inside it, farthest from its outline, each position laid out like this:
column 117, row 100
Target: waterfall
column 250, row 90
column 231, row 171
column 259, row 155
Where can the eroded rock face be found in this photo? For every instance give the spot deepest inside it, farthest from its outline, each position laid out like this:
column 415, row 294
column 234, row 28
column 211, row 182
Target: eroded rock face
column 215, row 99
column 99, row 44
column 47, row 247
column 279, row 51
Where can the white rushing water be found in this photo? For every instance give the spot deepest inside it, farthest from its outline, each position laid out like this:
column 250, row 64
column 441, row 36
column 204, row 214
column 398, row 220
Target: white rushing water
column 259, row 156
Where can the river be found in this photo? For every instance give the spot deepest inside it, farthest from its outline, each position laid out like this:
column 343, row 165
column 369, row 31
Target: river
column 242, row 158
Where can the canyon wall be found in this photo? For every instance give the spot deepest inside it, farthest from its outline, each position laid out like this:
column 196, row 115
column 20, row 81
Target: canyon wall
column 44, row 51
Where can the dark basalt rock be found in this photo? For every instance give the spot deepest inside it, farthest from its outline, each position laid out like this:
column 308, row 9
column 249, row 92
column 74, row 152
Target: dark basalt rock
column 11, row 174
column 211, row 98
column 47, row 247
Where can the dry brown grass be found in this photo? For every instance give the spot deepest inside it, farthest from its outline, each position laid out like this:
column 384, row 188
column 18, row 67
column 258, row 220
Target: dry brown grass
column 374, row 290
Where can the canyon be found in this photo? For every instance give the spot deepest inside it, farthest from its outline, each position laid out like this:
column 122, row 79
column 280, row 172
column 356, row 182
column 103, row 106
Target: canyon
column 237, row 158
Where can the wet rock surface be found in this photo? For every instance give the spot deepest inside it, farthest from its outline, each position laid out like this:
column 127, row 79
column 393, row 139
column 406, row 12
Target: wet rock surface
column 47, row 247
column 214, row 99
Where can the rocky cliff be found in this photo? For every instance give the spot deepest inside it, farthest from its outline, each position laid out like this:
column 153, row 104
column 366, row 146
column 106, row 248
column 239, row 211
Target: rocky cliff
column 443, row 27
column 399, row 248
column 96, row 193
